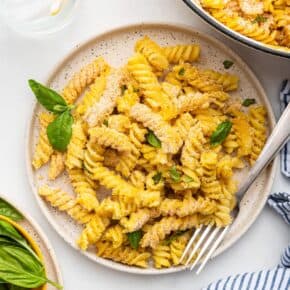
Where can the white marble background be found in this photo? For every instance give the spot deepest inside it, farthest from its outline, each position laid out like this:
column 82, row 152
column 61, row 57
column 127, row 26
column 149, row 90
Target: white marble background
column 22, row 58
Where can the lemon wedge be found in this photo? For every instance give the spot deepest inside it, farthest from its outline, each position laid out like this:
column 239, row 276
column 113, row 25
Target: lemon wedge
column 56, row 7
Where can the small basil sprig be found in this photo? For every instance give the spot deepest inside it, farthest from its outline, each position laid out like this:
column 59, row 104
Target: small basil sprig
column 153, row 140
column 48, row 98
column 228, row 64
column 174, row 174
column 134, row 238
column 221, row 133
column 9, row 211
column 181, row 72
column 157, row 177
column 248, row 102
column 59, row 131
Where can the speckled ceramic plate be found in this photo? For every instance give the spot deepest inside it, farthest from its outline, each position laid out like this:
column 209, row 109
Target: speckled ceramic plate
column 41, row 241
column 116, row 46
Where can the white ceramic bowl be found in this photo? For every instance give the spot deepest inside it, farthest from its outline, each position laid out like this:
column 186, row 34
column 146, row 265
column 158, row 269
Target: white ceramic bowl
column 116, row 46
column 196, row 7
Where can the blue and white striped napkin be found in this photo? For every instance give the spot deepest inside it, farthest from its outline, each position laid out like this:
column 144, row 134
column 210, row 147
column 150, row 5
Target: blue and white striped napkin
column 275, row 279
column 285, row 152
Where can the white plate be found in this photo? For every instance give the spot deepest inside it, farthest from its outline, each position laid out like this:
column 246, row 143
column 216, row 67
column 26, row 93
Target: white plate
column 50, row 263
column 116, row 46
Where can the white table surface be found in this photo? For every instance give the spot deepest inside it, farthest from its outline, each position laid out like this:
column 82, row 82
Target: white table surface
column 22, row 58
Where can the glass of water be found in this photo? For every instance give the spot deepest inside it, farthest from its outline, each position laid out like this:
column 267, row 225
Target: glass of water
column 36, row 17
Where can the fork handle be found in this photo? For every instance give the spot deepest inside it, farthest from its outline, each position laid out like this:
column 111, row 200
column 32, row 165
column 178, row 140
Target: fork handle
column 275, row 142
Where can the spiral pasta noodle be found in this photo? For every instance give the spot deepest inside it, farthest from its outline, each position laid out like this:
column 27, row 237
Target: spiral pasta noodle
column 154, row 150
column 83, row 78
column 43, row 149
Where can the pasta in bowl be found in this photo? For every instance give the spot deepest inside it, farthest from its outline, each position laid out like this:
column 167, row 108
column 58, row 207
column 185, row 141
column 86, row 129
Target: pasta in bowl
column 155, row 146
column 264, row 25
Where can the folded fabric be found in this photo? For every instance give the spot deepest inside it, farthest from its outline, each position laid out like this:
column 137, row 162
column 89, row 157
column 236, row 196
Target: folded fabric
column 285, row 152
column 275, row 279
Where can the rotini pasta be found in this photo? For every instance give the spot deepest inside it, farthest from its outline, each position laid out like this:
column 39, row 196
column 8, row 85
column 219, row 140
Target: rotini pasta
column 83, row 78
column 147, row 163
column 43, row 149
column 263, row 20
column 66, row 203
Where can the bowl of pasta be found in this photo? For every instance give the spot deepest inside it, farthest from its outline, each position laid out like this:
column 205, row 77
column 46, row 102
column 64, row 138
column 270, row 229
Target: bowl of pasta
column 141, row 135
column 263, row 25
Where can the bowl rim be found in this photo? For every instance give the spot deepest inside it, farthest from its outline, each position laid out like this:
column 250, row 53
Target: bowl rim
column 250, row 42
column 59, row 64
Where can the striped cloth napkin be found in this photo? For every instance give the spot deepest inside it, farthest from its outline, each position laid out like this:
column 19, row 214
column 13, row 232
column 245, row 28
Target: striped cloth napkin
column 275, row 279
column 285, row 152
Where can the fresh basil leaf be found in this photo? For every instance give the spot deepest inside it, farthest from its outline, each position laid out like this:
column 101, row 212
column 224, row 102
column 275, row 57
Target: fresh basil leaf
column 8, row 231
column 187, row 179
column 157, row 177
column 173, row 237
column 228, row 64
column 59, row 131
column 259, row 19
column 174, row 174
column 47, row 97
column 248, row 102
column 153, row 140
column 134, row 238
column 20, row 268
column 14, row 287
column 181, row 71
column 221, row 133
column 106, row 123
column 9, row 211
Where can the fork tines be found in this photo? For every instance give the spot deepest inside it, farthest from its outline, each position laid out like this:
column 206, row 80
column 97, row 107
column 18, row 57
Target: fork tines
column 202, row 245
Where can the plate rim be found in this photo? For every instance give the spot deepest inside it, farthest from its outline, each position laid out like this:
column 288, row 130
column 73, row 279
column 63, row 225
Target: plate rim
column 76, row 49
column 40, row 232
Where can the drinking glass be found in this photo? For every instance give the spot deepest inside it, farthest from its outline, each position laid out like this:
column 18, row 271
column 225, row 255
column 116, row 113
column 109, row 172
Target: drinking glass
column 36, row 17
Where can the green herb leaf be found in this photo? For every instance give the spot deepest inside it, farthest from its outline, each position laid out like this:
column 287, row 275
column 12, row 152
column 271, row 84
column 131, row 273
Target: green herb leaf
column 248, row 102
column 9, row 211
column 157, row 177
column 173, row 237
column 47, row 97
column 135, row 90
column 106, row 123
column 59, row 131
column 8, row 231
column 174, row 174
column 227, row 64
column 221, row 133
column 134, row 239
column 123, row 89
column 187, row 179
column 20, row 268
column 153, row 140
column 260, row 19
column 14, row 287
column 181, row 71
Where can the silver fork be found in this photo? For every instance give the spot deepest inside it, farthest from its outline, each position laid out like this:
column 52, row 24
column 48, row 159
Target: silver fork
column 208, row 238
